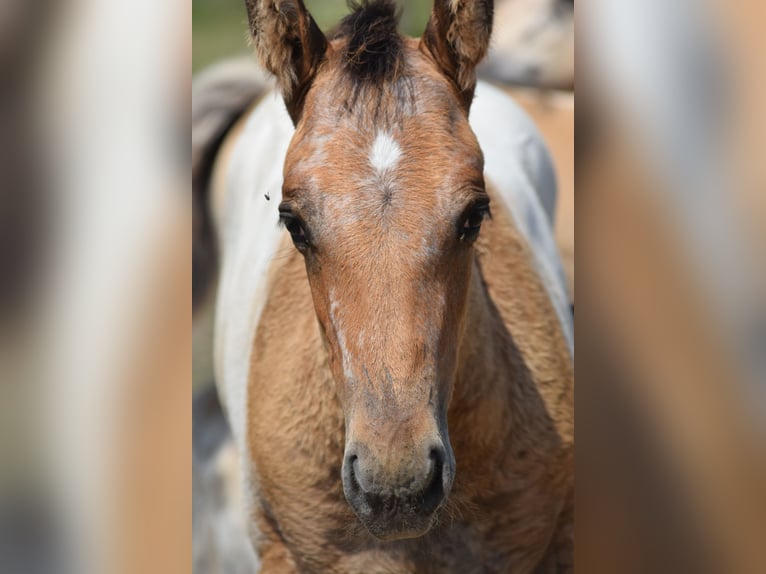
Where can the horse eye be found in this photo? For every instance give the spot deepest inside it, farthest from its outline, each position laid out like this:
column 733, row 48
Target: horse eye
column 295, row 227
column 296, row 230
column 472, row 222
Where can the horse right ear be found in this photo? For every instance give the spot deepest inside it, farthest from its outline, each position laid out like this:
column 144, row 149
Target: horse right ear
column 289, row 44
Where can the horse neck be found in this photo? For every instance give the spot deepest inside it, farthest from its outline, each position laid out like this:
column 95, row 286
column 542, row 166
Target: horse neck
column 514, row 375
column 479, row 400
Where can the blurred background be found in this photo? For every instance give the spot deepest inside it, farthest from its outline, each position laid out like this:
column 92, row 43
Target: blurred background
column 220, row 26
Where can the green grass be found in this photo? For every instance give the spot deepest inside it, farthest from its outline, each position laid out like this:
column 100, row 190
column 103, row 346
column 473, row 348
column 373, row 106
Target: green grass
column 219, row 27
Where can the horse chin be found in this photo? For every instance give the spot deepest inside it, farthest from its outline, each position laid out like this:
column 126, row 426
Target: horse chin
column 400, row 529
column 389, row 519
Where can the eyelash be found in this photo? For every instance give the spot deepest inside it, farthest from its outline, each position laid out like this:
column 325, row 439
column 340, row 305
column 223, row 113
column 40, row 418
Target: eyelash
column 295, row 227
column 470, row 226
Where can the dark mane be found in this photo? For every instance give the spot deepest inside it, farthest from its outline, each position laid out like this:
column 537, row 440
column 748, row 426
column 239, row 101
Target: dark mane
column 374, row 50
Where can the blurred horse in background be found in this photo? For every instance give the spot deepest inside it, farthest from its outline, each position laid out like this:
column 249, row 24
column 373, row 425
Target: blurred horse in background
column 532, row 54
column 533, row 44
column 399, row 381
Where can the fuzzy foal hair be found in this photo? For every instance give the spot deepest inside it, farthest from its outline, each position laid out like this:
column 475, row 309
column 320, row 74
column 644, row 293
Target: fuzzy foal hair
column 292, row 47
column 374, row 48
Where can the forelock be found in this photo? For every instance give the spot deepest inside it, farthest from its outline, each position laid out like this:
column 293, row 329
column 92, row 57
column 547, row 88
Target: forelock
column 374, row 49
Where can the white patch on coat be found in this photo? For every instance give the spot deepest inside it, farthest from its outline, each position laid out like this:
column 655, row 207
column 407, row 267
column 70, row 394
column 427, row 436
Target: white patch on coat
column 385, row 153
column 248, row 240
column 518, row 163
column 345, row 355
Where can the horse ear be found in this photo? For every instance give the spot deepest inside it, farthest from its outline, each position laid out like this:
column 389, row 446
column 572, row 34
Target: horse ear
column 457, row 37
column 289, row 44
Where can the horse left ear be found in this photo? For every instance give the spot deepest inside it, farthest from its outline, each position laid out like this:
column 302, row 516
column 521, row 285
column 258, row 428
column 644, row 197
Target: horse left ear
column 457, row 37
column 289, row 44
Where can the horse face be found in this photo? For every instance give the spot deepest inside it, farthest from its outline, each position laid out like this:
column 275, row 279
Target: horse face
column 384, row 196
column 386, row 216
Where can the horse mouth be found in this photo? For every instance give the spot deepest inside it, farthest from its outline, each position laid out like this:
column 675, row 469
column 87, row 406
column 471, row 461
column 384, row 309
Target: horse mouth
column 399, row 526
column 390, row 516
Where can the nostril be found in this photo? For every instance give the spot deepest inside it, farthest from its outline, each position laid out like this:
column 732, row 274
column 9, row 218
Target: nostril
column 438, row 459
column 350, row 473
column 433, row 494
column 434, row 463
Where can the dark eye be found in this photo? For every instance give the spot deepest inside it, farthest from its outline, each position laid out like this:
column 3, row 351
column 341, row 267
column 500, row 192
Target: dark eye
column 471, row 222
column 295, row 227
column 296, row 230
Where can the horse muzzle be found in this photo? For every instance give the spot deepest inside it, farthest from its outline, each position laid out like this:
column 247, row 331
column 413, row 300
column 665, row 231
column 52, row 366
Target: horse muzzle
column 398, row 497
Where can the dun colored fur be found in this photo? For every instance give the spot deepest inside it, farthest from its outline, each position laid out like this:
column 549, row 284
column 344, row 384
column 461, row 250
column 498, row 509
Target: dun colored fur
column 409, row 387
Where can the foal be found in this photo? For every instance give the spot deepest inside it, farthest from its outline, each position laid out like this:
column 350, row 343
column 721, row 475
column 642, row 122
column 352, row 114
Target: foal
column 399, row 380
